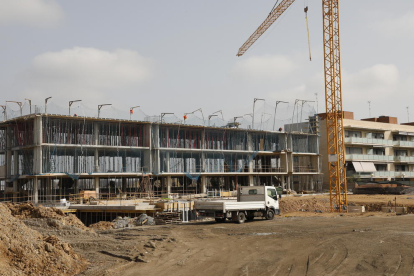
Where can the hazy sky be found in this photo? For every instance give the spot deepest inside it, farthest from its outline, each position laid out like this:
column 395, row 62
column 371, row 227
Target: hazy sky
column 178, row 56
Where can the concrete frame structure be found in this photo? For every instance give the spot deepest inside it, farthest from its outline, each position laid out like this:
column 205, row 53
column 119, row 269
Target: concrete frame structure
column 45, row 157
column 376, row 149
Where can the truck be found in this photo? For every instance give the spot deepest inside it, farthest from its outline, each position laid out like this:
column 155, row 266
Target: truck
column 252, row 201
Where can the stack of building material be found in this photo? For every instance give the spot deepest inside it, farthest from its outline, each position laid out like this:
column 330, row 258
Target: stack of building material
column 167, row 218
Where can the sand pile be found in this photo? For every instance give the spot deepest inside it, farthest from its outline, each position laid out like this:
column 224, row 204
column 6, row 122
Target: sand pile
column 303, row 204
column 29, row 211
column 102, row 225
column 24, row 251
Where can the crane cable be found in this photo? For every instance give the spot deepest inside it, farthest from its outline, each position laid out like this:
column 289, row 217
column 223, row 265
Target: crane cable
column 307, row 28
column 274, row 6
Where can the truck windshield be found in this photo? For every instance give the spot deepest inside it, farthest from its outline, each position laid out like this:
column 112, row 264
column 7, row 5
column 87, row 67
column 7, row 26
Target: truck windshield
column 271, row 193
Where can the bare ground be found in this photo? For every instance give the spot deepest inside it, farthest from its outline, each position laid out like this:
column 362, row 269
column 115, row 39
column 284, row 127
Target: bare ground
column 324, row 245
column 298, row 242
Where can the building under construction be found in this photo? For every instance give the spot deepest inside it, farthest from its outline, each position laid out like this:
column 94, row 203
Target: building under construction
column 46, row 157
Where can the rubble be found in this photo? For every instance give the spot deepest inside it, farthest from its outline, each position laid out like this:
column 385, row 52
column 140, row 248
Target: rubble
column 124, row 222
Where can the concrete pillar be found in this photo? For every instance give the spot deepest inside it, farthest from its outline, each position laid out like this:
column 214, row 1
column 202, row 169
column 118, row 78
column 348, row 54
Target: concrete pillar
column 251, row 182
column 289, row 162
column 289, row 184
column 35, row 191
column 96, row 161
column 96, row 182
column 38, row 140
column 96, row 143
column 203, row 184
column 169, row 183
column 167, row 162
column 203, row 161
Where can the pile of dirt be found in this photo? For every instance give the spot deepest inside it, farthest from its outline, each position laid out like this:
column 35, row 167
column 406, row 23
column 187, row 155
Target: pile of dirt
column 304, row 204
column 24, row 251
column 102, row 225
column 29, row 211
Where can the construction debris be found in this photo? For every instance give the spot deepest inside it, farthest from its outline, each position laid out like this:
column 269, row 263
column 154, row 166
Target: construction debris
column 125, row 222
column 167, row 218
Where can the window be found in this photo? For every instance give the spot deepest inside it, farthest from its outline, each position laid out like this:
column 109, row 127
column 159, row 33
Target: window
column 379, row 151
column 350, row 150
column 399, row 138
column 271, row 193
column 378, row 135
column 253, row 192
column 401, row 153
column 401, row 168
column 381, row 167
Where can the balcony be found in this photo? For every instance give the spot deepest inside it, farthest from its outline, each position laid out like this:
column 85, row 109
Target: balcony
column 382, row 174
column 368, row 141
column 404, row 159
column 409, row 144
column 385, row 174
column 370, row 157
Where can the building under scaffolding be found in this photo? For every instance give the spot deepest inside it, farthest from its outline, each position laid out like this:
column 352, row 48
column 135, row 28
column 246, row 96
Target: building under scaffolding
column 46, row 157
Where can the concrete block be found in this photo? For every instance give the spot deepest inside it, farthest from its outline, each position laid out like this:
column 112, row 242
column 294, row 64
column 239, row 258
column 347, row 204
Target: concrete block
column 356, row 209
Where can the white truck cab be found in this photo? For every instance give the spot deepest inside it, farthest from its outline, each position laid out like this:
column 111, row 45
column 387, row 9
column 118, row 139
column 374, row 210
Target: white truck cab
column 252, row 201
column 268, row 194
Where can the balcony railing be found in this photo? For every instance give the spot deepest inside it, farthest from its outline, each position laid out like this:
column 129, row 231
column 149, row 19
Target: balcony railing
column 404, row 158
column 403, row 143
column 370, row 157
column 370, row 141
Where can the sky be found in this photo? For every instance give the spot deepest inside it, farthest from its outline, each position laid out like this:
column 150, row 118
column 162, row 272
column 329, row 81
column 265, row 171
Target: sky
column 180, row 56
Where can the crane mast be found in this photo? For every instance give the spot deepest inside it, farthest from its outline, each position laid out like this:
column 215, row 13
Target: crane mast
column 333, row 103
column 333, row 94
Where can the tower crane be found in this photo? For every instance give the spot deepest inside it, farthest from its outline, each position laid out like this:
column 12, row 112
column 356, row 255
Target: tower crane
column 333, row 94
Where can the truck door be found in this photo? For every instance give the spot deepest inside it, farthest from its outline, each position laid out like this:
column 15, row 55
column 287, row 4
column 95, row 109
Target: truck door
column 271, row 198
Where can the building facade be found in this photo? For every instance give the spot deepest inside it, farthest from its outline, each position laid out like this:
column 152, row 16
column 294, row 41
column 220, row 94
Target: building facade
column 375, row 149
column 45, row 157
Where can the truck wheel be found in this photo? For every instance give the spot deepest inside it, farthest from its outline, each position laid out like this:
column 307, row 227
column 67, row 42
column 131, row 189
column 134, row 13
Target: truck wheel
column 241, row 217
column 270, row 214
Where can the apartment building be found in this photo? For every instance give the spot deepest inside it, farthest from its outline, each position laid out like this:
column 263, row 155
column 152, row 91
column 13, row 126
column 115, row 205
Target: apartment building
column 375, row 148
column 44, row 157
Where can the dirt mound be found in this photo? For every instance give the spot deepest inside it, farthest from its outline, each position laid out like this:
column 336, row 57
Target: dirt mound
column 304, row 204
column 29, row 211
column 24, row 251
column 102, row 225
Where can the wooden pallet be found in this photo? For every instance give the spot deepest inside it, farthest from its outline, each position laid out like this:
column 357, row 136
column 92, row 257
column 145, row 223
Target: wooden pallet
column 168, row 218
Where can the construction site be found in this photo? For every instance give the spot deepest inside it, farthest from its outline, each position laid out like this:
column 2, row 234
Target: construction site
column 283, row 190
